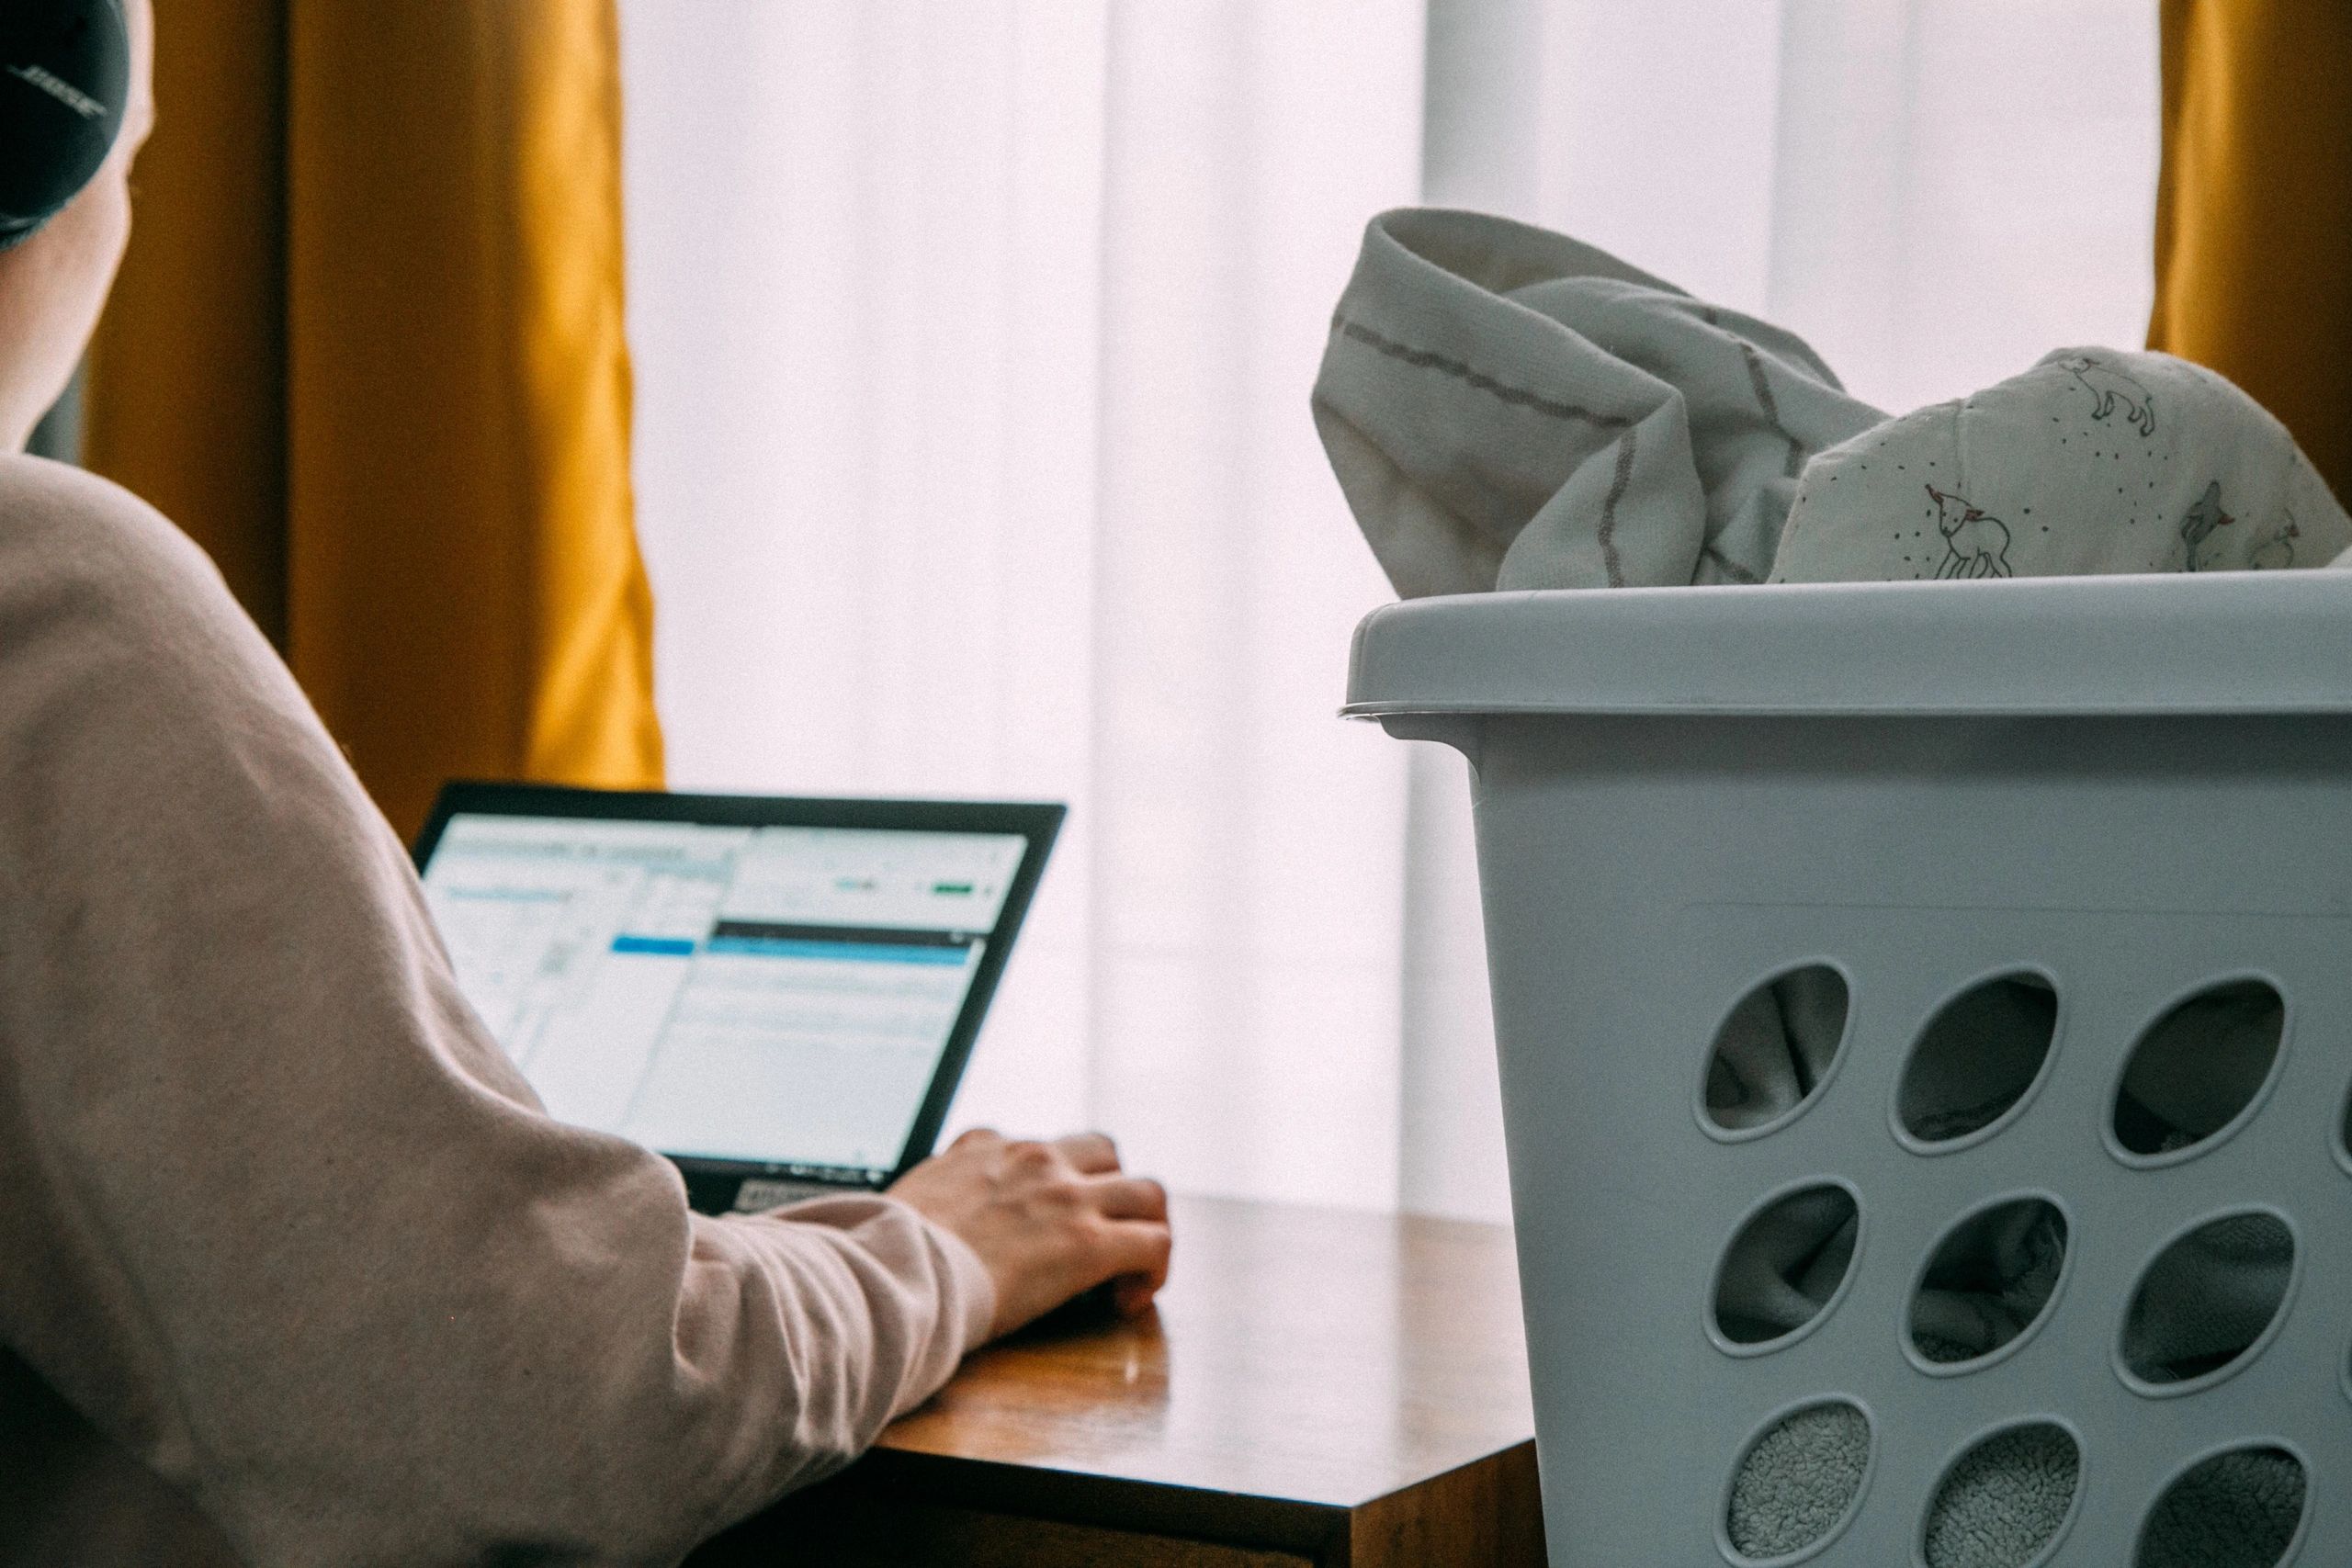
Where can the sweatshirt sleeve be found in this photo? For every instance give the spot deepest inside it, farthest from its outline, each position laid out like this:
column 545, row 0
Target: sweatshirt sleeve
column 308, row 1245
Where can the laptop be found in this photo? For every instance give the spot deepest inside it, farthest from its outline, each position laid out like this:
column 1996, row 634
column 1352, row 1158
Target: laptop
column 779, row 995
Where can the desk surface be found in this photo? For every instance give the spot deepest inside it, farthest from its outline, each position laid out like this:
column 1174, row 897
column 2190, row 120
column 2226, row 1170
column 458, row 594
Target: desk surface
column 1314, row 1354
column 1311, row 1378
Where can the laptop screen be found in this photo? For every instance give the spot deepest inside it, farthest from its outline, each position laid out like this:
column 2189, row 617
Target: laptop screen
column 777, row 995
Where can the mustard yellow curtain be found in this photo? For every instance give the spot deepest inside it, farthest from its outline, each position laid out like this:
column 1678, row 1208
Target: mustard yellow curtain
column 185, row 398
column 2254, row 209
column 368, row 348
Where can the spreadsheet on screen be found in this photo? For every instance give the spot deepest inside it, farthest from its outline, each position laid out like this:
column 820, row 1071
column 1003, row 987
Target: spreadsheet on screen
column 778, row 994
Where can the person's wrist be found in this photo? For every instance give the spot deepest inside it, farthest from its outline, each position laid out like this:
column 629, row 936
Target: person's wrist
column 972, row 1285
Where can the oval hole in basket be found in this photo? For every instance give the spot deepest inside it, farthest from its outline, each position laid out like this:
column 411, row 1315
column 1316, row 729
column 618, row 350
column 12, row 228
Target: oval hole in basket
column 1977, row 1057
column 2239, row 1510
column 1773, row 1053
column 2003, row 1503
column 1989, row 1281
column 2344, row 1134
column 1785, row 1266
column 2196, row 1070
column 2208, row 1301
column 1798, row 1482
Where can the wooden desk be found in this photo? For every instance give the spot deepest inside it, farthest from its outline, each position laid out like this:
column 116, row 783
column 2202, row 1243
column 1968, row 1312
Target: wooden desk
column 1317, row 1386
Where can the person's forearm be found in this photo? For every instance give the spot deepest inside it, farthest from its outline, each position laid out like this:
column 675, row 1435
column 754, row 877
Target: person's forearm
column 875, row 1304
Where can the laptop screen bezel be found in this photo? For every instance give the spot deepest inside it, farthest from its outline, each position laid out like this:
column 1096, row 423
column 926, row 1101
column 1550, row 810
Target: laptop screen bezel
column 712, row 1182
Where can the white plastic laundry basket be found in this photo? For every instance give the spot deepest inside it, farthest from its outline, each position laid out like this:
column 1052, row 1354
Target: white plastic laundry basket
column 2129, row 790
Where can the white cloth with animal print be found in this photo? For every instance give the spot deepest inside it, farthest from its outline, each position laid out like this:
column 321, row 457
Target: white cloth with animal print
column 2096, row 460
column 1508, row 408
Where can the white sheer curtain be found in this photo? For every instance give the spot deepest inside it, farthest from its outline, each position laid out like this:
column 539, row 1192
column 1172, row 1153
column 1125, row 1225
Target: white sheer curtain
column 973, row 343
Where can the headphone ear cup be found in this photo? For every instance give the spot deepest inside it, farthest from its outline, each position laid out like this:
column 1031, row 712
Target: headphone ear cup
column 64, row 83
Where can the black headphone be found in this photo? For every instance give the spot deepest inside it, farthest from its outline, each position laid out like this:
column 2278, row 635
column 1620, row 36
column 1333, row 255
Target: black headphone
column 64, row 80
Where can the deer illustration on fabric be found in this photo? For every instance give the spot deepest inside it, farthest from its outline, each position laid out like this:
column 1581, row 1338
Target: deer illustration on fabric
column 1975, row 545
column 2201, row 519
column 2112, row 387
column 2278, row 552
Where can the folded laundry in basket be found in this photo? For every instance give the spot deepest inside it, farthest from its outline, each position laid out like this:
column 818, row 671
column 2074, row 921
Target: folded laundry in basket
column 1508, row 407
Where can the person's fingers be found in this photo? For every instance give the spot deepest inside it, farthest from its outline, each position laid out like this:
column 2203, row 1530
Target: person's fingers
column 1091, row 1153
column 1130, row 1198
column 1137, row 1248
column 978, row 1138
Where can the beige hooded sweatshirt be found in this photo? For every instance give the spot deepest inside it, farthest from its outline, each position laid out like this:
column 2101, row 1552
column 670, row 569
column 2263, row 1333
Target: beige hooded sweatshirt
column 293, row 1269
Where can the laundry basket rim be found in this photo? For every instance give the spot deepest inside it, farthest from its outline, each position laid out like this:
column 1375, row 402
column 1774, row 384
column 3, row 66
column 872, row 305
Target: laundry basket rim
column 2254, row 643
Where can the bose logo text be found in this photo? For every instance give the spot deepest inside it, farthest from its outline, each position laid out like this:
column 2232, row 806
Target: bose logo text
column 65, row 92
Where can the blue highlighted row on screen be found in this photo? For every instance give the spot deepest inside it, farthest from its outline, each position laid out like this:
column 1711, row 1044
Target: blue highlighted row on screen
column 768, row 947
column 660, row 946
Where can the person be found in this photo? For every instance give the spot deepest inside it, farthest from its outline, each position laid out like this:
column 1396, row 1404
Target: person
column 293, row 1269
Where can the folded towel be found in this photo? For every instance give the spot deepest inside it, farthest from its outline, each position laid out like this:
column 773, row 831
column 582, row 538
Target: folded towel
column 1506, row 408
column 1798, row 1481
column 2003, row 1502
column 2235, row 1510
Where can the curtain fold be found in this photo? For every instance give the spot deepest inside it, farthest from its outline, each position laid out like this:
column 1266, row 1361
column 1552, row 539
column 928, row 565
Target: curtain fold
column 369, row 350
column 2253, row 243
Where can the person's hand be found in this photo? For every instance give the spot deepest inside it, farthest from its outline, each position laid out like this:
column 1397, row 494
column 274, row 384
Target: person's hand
column 1050, row 1220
